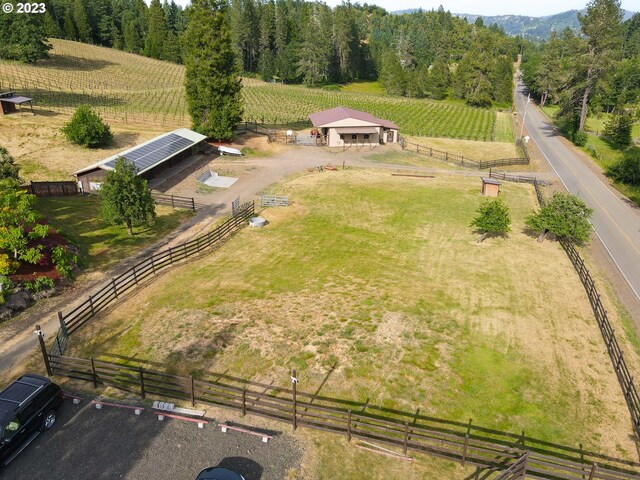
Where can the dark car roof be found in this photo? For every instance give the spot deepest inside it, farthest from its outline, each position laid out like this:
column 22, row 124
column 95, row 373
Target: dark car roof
column 218, row 473
column 12, row 397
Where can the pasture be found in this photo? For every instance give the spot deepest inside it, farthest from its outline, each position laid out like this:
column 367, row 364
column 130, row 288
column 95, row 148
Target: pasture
column 375, row 289
column 130, row 88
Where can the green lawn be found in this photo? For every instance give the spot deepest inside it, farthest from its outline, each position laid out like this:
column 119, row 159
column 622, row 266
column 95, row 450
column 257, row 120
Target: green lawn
column 103, row 245
column 364, row 87
column 375, row 289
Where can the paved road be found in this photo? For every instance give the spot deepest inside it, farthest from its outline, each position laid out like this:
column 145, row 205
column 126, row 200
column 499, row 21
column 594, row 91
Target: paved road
column 615, row 222
column 113, row 443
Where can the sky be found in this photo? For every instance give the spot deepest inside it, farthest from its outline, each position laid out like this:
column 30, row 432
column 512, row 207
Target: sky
column 533, row 8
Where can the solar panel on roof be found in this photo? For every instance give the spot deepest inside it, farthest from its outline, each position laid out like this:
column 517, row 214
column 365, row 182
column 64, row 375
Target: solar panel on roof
column 155, row 152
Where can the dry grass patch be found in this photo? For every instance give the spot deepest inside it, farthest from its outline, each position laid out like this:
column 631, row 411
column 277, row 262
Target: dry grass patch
column 374, row 288
column 43, row 153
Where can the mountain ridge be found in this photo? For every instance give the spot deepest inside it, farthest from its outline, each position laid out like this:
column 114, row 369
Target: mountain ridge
column 537, row 28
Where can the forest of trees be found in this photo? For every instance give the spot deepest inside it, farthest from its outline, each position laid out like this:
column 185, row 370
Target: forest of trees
column 423, row 54
column 595, row 70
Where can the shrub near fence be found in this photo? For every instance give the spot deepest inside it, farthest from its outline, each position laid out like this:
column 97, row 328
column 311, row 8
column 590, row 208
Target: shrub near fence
column 440, row 438
column 120, row 285
column 613, row 347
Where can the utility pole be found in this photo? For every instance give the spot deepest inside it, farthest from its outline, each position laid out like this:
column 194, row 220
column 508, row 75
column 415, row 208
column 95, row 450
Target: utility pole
column 524, row 118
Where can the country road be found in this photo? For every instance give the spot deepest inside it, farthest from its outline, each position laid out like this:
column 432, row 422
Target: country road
column 615, row 221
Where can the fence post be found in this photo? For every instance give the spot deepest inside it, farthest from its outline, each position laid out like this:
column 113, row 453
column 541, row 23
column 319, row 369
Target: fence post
column 43, row 348
column 594, row 469
column 193, row 393
column 619, row 361
column 59, row 346
column 294, row 381
column 93, row 373
column 142, row 392
column 170, row 256
column 244, row 401
column 349, row 426
column 153, row 265
column 629, row 388
column 464, row 450
column 193, row 204
column 172, row 204
column 405, row 443
column 135, row 276
column 63, row 326
column 115, row 289
column 93, row 312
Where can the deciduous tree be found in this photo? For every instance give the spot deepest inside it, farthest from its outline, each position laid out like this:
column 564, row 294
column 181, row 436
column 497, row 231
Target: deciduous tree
column 564, row 215
column 493, row 219
column 126, row 197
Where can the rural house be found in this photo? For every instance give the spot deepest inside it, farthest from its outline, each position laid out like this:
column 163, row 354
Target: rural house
column 150, row 158
column 344, row 127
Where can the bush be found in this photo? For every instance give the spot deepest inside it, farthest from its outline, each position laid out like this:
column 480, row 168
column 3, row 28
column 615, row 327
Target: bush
column 579, row 138
column 564, row 215
column 86, row 128
column 593, row 151
column 8, row 168
column 64, row 260
column 619, row 127
column 40, row 284
column 626, row 171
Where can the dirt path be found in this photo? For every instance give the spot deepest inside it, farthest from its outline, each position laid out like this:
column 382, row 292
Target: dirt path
column 256, row 174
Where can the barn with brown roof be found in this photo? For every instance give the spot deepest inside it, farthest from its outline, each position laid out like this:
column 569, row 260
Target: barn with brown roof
column 343, row 127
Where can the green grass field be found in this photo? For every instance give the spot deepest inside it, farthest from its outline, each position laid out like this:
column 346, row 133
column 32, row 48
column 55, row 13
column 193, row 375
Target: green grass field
column 375, row 289
column 135, row 89
column 103, row 245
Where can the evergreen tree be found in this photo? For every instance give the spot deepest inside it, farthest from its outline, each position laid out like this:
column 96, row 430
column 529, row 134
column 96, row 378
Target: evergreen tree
column 502, row 81
column 132, row 39
column 392, row 75
column 126, row 197
column 81, row 21
column 315, row 51
column 23, row 37
column 171, row 48
column 70, row 32
column 51, row 27
column 438, row 80
column 619, row 127
column 212, row 81
column 8, row 167
column 157, row 33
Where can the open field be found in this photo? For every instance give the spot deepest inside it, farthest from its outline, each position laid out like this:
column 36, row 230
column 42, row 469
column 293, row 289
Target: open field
column 375, row 289
column 134, row 89
column 103, row 245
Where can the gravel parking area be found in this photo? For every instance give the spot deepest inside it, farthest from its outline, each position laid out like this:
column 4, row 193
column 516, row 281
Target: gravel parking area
column 113, row 443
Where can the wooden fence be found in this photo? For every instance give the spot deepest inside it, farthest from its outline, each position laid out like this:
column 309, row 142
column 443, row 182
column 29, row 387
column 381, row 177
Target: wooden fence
column 52, row 189
column 464, row 161
column 175, row 201
column 515, row 178
column 613, row 347
column 516, row 471
column 150, row 266
column 411, row 433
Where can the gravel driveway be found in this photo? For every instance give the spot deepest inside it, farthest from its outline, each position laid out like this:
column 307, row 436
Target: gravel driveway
column 113, row 443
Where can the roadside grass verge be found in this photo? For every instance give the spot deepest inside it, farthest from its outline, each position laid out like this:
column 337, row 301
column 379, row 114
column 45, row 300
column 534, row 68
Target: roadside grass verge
column 102, row 245
column 504, row 131
column 373, row 287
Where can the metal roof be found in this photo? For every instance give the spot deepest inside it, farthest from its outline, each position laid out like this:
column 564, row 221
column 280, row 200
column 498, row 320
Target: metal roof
column 152, row 152
column 490, row 181
column 356, row 130
column 19, row 100
column 340, row 113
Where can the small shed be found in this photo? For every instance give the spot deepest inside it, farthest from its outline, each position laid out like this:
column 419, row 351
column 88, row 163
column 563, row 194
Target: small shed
column 490, row 187
column 9, row 101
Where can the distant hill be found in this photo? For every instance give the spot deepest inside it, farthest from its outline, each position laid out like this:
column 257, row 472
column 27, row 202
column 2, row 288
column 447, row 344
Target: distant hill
column 538, row 28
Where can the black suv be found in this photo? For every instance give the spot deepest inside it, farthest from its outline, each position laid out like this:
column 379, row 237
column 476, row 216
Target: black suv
column 27, row 407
